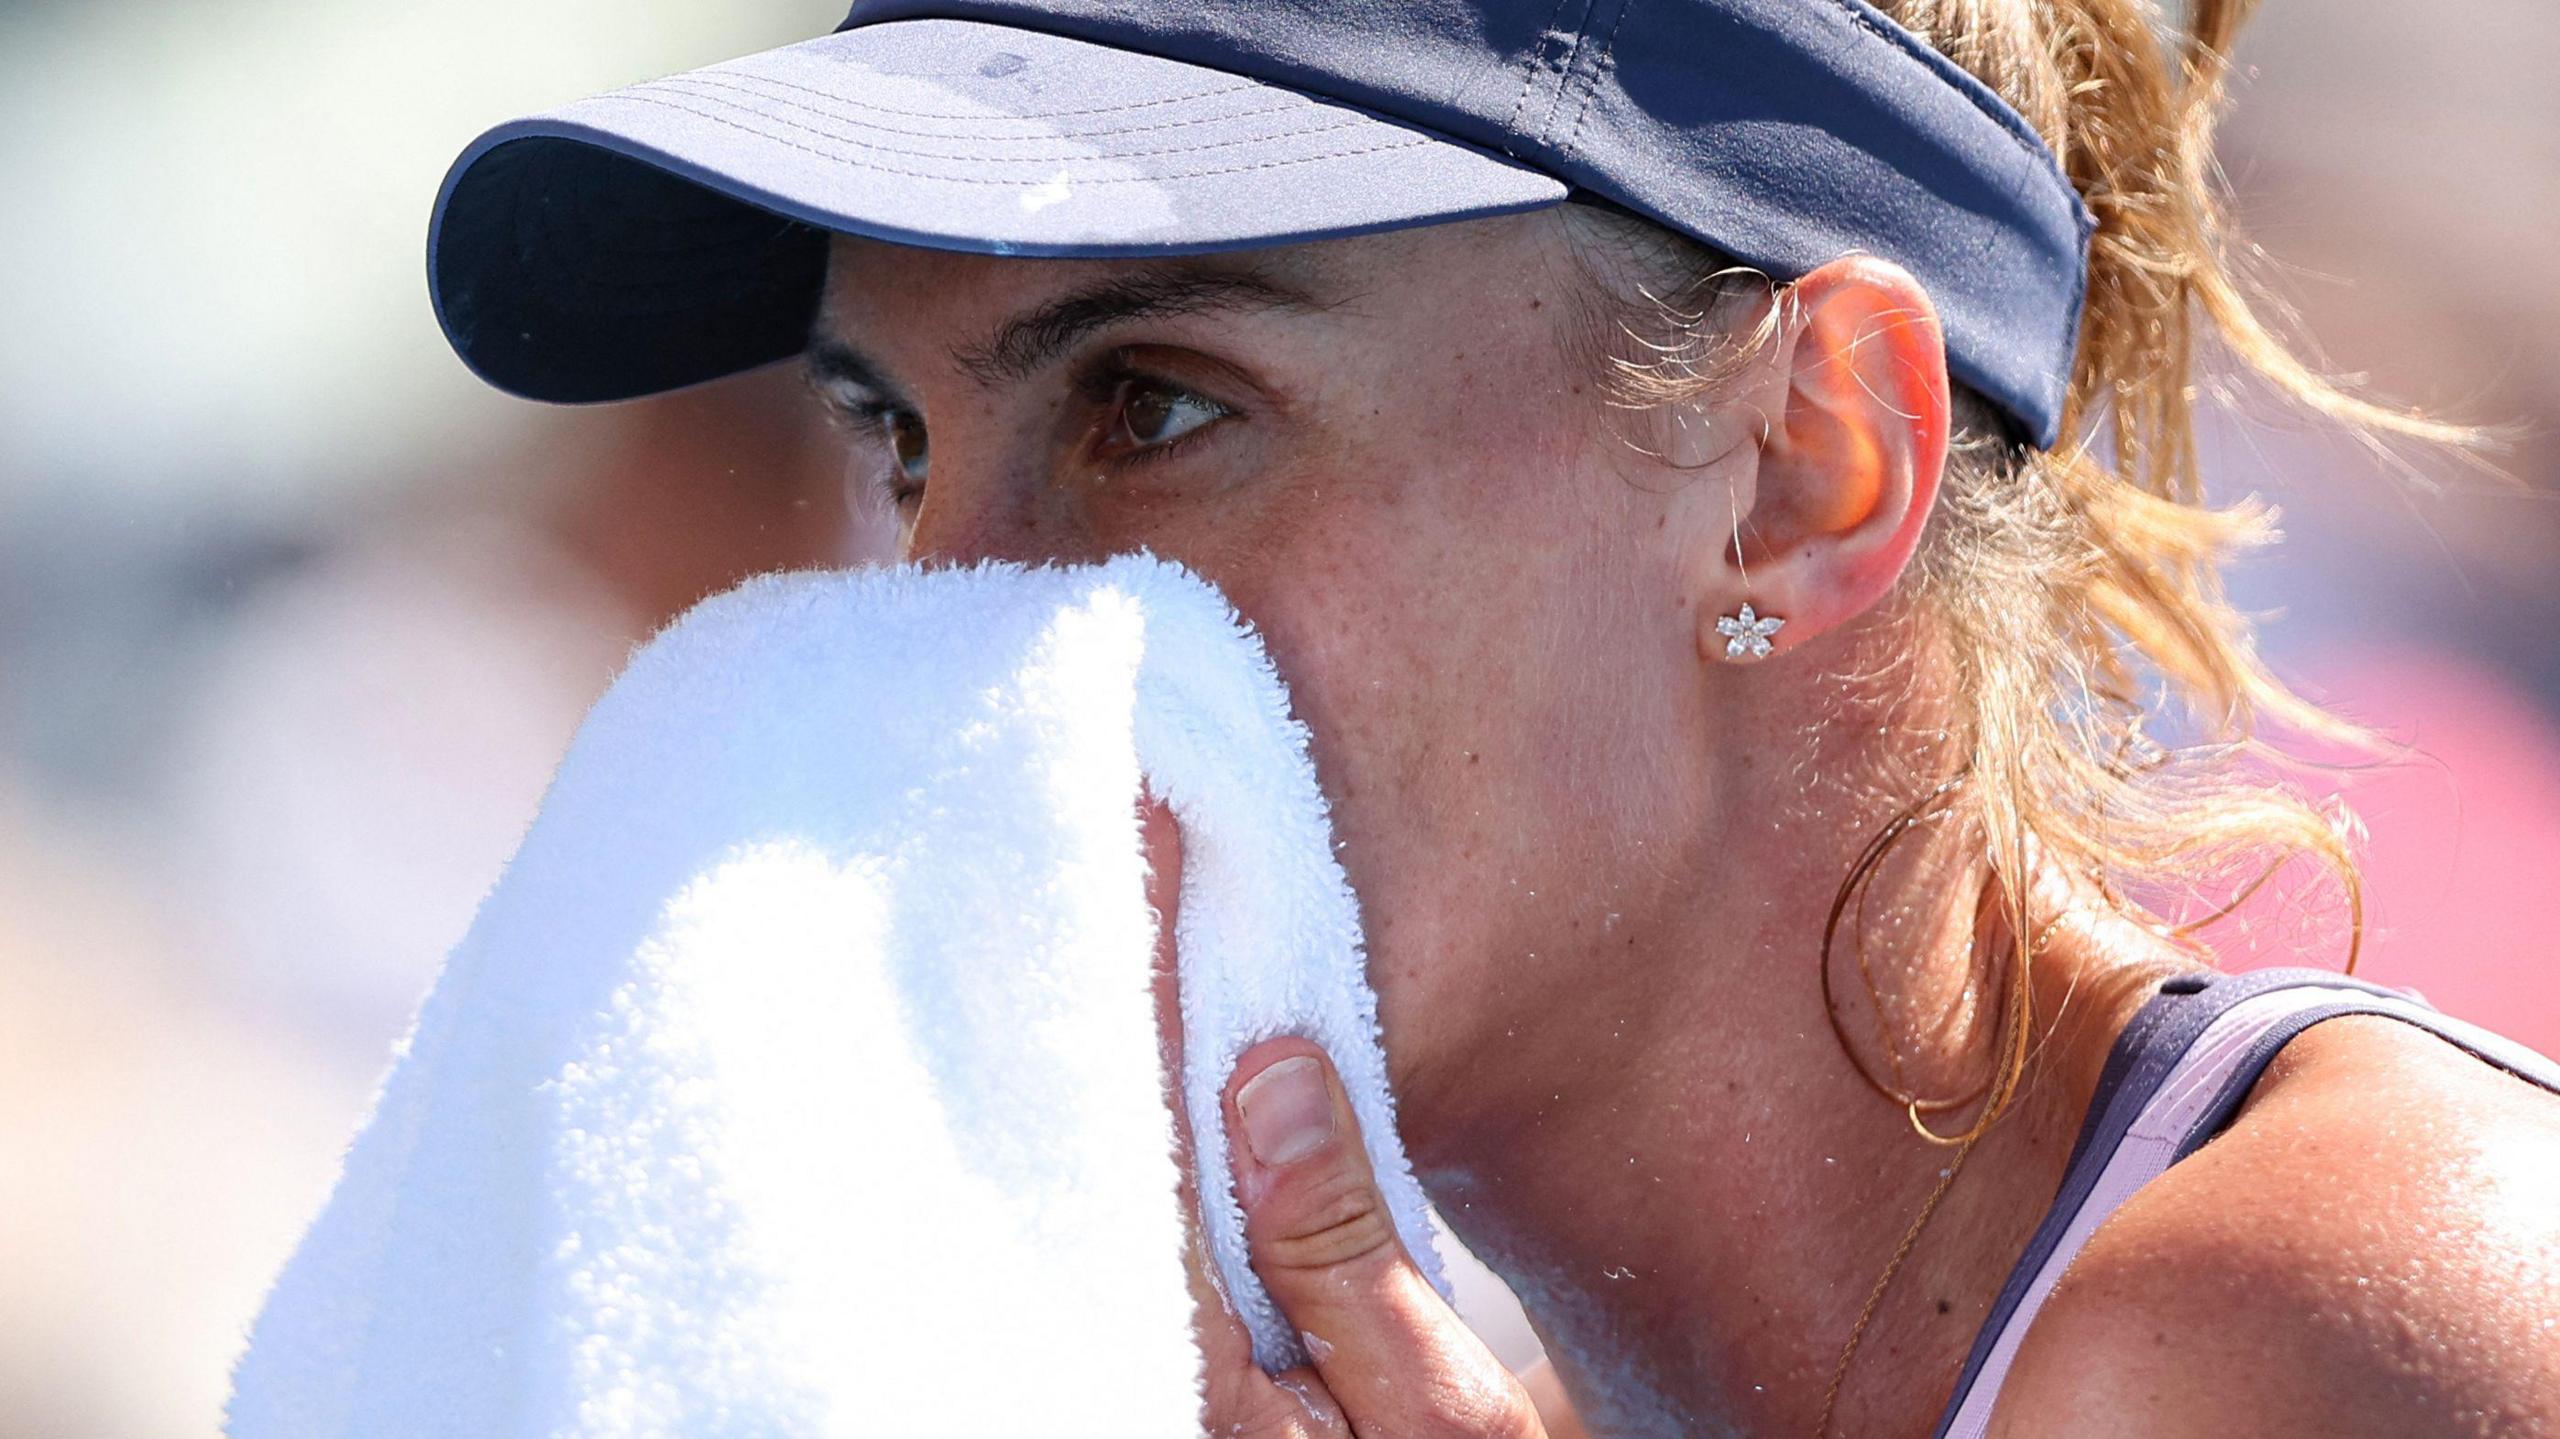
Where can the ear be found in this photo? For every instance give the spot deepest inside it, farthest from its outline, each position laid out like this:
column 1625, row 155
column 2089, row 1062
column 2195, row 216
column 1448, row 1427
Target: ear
column 1855, row 391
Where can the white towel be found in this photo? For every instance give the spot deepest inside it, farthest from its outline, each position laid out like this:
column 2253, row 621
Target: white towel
column 799, row 1077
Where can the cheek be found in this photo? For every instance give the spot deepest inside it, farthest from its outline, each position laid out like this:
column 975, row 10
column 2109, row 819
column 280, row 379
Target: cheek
column 1392, row 676
column 1470, row 657
column 1399, row 585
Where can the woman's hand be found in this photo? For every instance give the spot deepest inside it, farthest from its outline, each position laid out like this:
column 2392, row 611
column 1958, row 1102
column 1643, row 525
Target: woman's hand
column 1390, row 1357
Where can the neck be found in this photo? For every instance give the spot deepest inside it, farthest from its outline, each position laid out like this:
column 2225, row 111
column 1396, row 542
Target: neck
column 1695, row 1193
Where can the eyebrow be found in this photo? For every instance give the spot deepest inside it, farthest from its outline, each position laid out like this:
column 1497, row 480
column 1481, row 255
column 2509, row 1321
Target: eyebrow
column 1023, row 344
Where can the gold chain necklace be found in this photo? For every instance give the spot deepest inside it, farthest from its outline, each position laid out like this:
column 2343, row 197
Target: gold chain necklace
column 1901, row 1252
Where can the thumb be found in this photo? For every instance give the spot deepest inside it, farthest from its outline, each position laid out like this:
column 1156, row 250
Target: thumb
column 1394, row 1355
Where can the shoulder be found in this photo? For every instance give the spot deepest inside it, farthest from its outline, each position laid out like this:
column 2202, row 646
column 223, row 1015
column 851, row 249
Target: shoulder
column 2372, row 1248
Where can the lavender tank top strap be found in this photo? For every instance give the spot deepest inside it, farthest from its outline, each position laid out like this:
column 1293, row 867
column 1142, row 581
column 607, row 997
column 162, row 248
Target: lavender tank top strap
column 2176, row 1076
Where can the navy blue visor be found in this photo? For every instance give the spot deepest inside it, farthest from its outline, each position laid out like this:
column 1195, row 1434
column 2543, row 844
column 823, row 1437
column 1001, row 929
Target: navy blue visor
column 675, row 231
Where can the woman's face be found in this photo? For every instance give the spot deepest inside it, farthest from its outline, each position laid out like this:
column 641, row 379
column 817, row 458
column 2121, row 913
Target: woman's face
column 1392, row 454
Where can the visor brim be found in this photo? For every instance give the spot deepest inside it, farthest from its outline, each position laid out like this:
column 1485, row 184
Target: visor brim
column 675, row 231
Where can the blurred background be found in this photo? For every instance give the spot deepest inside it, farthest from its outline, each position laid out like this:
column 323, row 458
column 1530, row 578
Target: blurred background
column 295, row 616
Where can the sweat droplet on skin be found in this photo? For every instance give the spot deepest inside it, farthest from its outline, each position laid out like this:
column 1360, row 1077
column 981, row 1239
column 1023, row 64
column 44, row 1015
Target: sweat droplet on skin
column 1304, row 1393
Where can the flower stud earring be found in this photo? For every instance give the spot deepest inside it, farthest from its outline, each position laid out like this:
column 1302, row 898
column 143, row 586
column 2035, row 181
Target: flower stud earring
column 1746, row 636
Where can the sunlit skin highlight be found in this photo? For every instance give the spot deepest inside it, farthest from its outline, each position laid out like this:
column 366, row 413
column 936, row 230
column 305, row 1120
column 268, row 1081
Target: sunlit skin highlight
column 1593, row 858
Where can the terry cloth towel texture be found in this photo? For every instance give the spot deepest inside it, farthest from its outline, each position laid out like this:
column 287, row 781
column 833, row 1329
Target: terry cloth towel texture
column 800, row 1077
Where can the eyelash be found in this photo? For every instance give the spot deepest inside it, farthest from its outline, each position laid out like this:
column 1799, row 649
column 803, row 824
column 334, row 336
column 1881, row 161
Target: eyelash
column 869, row 424
column 1107, row 388
column 869, row 421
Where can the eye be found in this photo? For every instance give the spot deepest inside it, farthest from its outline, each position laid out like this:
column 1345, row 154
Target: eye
column 907, row 450
column 1152, row 415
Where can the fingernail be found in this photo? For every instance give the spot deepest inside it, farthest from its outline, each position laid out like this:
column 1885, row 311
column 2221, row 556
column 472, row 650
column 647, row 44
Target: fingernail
column 1288, row 1111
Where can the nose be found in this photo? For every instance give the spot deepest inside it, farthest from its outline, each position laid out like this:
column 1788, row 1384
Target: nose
column 947, row 534
column 964, row 518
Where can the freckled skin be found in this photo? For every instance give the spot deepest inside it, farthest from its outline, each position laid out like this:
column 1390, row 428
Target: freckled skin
column 1594, row 862
column 1417, row 527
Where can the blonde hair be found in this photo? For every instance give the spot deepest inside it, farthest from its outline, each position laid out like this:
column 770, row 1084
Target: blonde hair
column 2070, row 583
